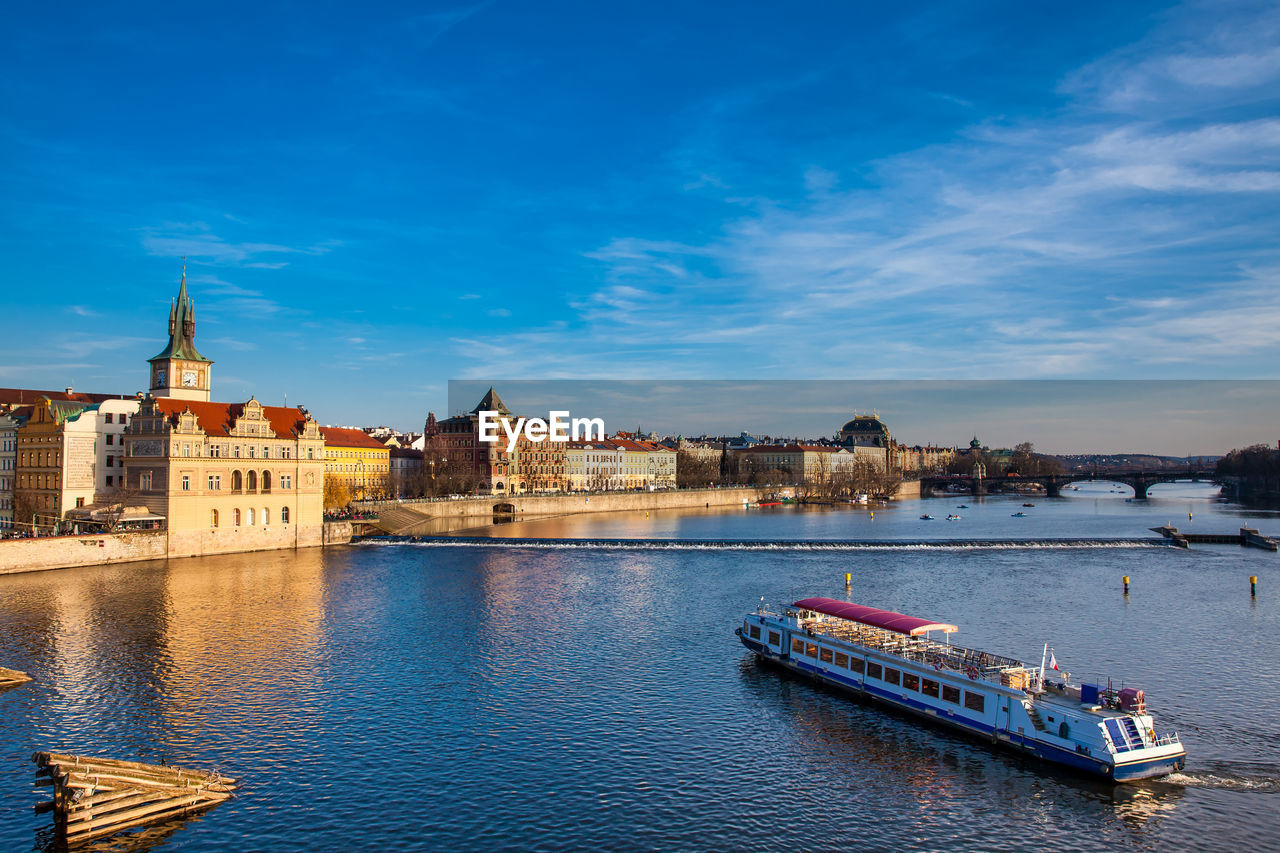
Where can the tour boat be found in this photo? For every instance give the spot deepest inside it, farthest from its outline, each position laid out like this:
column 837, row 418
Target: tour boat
column 895, row 659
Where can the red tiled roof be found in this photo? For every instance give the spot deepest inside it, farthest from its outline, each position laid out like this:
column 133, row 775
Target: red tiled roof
column 22, row 396
column 339, row 437
column 218, row 418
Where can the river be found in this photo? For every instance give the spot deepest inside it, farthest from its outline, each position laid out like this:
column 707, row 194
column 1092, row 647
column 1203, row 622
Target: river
column 561, row 696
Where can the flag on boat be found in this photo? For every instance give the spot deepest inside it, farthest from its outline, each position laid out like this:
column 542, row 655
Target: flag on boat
column 1053, row 661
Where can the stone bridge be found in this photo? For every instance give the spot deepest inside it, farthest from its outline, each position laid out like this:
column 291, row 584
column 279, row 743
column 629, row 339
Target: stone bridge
column 1139, row 481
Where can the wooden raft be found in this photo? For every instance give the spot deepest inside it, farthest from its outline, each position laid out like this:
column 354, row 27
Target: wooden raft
column 96, row 797
column 10, row 677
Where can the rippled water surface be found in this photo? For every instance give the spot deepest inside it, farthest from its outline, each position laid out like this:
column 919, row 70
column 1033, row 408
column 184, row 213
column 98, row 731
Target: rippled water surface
column 417, row 697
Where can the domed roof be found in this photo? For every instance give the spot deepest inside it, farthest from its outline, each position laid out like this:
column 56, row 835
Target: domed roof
column 865, row 423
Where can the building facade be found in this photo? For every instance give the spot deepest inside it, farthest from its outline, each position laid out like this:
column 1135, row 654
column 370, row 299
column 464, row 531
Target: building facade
column 225, row 476
column 358, row 460
column 529, row 467
column 9, row 424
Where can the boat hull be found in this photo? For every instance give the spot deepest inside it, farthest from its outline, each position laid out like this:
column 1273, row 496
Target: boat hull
column 1021, row 744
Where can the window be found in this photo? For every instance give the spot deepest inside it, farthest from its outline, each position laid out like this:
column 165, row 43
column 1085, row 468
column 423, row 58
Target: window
column 186, row 482
column 892, row 676
column 284, row 515
column 774, row 639
column 910, row 681
column 811, row 650
column 79, row 502
column 950, row 694
column 111, row 439
column 310, row 453
column 235, row 517
column 215, row 483
column 235, row 451
column 266, row 481
column 755, row 632
column 929, row 687
column 144, row 481
column 825, row 655
column 286, row 481
column 213, row 518
column 266, row 452
column 250, row 516
column 253, row 451
column 286, row 452
column 797, row 645
column 252, row 481
column 186, row 450
column 110, row 480
column 873, row 670
column 855, row 664
column 215, row 450
column 124, row 418
column 111, row 462
column 108, row 419
column 975, row 701
column 266, row 517
column 237, row 481
column 842, row 660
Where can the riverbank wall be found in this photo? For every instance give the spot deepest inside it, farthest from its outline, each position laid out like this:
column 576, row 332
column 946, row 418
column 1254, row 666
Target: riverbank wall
column 66, row 552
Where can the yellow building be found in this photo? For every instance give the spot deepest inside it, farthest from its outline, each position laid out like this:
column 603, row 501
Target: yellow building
column 226, row 476
column 358, row 460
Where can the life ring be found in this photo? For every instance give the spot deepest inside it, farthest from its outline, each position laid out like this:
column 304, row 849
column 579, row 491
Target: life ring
column 972, row 672
column 937, row 664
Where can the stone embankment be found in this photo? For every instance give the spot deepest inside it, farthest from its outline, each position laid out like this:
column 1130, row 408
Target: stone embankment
column 403, row 517
column 64, row 552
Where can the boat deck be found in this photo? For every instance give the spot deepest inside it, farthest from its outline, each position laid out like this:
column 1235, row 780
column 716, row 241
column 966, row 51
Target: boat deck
column 920, row 649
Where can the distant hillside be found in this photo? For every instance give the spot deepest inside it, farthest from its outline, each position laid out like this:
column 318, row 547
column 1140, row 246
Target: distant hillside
column 1132, row 461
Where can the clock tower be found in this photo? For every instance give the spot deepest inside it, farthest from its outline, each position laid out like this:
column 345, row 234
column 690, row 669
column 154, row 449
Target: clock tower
column 180, row 371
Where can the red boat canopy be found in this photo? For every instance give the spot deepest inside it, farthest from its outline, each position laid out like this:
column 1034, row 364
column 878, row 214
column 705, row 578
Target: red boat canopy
column 885, row 619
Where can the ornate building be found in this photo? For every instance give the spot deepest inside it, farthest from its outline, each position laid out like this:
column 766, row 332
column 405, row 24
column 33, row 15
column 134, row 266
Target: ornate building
column 359, row 460
column 226, row 476
column 531, row 467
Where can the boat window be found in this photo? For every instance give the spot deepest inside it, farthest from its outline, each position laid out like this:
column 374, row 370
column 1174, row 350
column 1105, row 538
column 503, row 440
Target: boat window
column 811, row 649
column 975, row 701
column 891, row 675
column 910, row 681
column 929, row 687
column 774, row 639
column 797, row 645
column 746, row 626
column 855, row 664
column 950, row 694
column 755, row 632
column 826, row 655
column 842, row 660
column 873, row 670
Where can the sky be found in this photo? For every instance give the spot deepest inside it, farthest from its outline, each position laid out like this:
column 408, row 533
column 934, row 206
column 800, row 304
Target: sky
column 373, row 200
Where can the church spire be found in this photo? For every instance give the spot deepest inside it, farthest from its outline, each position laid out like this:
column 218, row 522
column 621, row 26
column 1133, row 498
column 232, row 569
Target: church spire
column 182, row 326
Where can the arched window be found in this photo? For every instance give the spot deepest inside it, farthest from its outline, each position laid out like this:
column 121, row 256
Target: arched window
column 266, row 481
column 266, row 516
column 251, row 516
column 213, row 518
column 237, row 518
column 237, row 481
column 284, row 515
column 252, row 485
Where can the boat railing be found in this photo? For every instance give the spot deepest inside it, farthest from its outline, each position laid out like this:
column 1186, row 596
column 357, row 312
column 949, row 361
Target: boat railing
column 1167, row 740
column 919, row 649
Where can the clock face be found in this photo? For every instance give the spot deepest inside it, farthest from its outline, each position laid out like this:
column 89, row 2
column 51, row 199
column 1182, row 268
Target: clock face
column 160, row 377
column 189, row 378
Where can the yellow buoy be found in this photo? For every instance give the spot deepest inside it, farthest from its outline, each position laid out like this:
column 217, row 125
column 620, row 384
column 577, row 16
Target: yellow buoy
column 1253, row 585
column 1126, row 584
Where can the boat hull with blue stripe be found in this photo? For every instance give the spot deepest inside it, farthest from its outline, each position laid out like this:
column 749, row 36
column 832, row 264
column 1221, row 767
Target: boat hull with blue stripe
column 893, row 658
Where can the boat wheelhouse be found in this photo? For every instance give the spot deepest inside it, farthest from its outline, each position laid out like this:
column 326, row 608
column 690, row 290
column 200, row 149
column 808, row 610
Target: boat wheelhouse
column 899, row 660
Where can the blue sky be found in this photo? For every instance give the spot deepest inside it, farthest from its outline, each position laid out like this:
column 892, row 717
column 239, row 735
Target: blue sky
column 376, row 199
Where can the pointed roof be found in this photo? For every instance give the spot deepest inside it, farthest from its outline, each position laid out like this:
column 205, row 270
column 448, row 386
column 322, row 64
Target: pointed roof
column 182, row 328
column 491, row 403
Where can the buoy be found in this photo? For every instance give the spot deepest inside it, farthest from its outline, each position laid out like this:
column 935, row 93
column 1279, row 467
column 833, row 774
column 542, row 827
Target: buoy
column 873, row 516
column 1253, row 585
column 848, row 580
column 1126, row 584
column 1188, row 516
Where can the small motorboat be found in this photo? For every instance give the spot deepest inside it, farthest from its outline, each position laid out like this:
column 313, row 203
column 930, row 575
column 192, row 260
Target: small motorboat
column 1028, row 504
column 953, row 517
column 926, row 518
column 1019, row 515
column 962, row 506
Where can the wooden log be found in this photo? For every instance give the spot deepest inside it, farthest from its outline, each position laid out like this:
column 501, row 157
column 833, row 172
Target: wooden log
column 88, row 829
column 84, row 775
column 96, row 812
column 12, row 676
column 46, row 758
